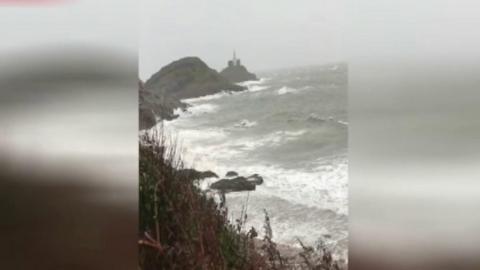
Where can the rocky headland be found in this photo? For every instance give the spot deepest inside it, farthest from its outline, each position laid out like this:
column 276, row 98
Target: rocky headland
column 188, row 77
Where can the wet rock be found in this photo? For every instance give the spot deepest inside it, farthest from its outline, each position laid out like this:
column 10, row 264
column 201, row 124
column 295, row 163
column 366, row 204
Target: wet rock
column 236, row 184
column 231, row 174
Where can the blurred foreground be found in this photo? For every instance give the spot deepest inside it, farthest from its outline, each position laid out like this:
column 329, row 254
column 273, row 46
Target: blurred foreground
column 68, row 169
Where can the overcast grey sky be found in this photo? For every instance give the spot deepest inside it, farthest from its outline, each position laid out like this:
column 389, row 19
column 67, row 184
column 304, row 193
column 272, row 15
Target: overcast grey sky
column 111, row 24
column 266, row 34
column 412, row 31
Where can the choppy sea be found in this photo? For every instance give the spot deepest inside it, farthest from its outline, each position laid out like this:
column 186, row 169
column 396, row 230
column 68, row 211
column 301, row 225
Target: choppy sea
column 291, row 127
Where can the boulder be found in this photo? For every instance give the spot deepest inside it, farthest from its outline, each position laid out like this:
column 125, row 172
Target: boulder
column 231, row 174
column 236, row 184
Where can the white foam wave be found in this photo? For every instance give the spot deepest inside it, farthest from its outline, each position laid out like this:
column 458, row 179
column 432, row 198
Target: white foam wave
column 286, row 90
column 199, row 109
column 245, row 123
column 317, row 118
column 215, row 149
column 302, row 204
column 289, row 90
column 270, row 140
column 257, row 88
column 325, row 187
column 292, row 134
column 251, row 83
column 207, row 98
column 252, row 86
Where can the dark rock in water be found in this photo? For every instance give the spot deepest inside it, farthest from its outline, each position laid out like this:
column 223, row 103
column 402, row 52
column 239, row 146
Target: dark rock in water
column 194, row 174
column 239, row 183
column 237, row 74
column 188, row 77
column 231, row 174
column 256, row 179
column 236, row 184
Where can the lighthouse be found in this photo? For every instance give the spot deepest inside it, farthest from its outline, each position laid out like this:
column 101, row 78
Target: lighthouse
column 235, row 72
column 234, row 61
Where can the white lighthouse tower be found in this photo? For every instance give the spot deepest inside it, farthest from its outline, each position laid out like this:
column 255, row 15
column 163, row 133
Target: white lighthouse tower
column 234, row 61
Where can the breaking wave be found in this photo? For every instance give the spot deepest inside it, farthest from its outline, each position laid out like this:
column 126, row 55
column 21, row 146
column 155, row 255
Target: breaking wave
column 245, row 124
column 286, row 90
